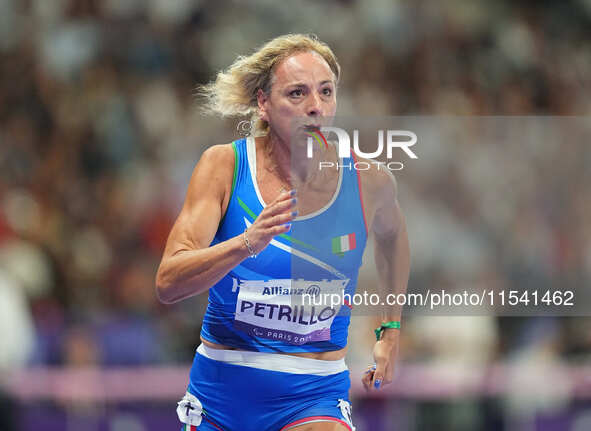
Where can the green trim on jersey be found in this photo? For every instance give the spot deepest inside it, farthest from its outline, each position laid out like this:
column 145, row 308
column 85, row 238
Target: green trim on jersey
column 282, row 235
column 234, row 179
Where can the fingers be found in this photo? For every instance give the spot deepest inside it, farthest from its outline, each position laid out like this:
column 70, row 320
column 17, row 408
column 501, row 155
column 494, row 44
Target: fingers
column 378, row 376
column 283, row 196
column 281, row 211
column 285, row 202
column 389, row 373
column 280, row 219
column 273, row 220
column 276, row 230
column 370, row 369
column 368, row 376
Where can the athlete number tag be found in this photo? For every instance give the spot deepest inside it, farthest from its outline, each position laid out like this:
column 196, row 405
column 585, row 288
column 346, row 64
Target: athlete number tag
column 293, row 311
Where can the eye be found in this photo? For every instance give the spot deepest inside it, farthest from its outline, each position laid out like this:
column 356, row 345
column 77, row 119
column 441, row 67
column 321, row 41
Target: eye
column 327, row 91
column 296, row 93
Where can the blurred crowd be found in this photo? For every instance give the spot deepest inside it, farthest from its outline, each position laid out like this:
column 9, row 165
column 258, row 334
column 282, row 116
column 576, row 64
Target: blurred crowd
column 100, row 130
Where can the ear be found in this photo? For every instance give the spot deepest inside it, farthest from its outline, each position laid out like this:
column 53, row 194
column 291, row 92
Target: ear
column 262, row 100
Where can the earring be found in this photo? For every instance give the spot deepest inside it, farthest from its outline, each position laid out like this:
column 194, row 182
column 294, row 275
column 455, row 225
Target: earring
column 244, row 127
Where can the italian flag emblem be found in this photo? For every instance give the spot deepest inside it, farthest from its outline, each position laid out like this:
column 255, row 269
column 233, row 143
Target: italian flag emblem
column 343, row 243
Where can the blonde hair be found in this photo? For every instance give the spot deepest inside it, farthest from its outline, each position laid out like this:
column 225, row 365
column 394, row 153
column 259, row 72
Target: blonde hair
column 234, row 91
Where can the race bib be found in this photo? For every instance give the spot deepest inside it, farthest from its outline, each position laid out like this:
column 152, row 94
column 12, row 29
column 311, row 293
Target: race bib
column 293, row 311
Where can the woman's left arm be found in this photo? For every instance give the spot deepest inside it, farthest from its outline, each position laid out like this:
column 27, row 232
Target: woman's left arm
column 392, row 256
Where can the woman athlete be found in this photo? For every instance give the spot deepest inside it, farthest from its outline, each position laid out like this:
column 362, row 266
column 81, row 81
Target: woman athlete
column 260, row 226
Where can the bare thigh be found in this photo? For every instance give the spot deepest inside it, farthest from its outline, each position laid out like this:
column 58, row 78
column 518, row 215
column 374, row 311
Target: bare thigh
column 321, row 426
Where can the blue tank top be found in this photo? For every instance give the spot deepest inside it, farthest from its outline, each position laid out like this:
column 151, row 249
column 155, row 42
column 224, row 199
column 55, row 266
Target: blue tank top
column 257, row 305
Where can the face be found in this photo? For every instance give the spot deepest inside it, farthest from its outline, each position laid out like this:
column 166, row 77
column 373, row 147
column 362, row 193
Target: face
column 303, row 90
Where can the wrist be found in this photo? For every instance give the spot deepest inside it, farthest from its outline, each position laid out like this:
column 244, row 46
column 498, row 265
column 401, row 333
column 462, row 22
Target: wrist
column 390, row 334
column 392, row 327
column 248, row 244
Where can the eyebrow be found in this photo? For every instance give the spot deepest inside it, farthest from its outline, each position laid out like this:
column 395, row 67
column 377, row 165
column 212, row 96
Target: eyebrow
column 301, row 84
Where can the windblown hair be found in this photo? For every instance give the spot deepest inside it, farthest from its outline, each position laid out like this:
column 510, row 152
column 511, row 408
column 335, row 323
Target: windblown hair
column 234, row 91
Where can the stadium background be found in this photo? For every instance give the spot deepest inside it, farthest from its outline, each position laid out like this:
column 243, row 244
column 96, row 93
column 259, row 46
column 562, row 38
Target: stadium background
column 99, row 133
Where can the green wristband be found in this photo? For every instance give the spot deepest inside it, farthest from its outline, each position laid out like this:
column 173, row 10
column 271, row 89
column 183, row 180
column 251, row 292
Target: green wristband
column 386, row 325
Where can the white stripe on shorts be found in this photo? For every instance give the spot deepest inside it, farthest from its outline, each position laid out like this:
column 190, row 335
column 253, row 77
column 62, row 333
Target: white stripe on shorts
column 274, row 361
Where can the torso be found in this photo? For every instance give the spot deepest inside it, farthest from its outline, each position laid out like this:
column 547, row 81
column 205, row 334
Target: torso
column 311, row 199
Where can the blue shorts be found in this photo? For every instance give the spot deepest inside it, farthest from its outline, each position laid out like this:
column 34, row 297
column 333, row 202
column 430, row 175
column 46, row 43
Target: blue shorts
column 230, row 397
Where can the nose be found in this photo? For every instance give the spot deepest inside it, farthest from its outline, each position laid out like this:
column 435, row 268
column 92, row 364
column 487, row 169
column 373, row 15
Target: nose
column 314, row 108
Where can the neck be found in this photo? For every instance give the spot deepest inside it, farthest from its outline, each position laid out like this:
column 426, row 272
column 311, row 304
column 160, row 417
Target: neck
column 295, row 171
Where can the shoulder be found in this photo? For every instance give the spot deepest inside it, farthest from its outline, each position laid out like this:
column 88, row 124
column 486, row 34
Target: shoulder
column 214, row 172
column 377, row 180
column 380, row 196
column 217, row 160
column 221, row 154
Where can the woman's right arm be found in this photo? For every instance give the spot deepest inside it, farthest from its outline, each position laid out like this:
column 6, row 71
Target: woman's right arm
column 189, row 265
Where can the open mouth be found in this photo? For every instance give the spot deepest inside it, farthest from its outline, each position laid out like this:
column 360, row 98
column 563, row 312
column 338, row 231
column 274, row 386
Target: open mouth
column 312, row 127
